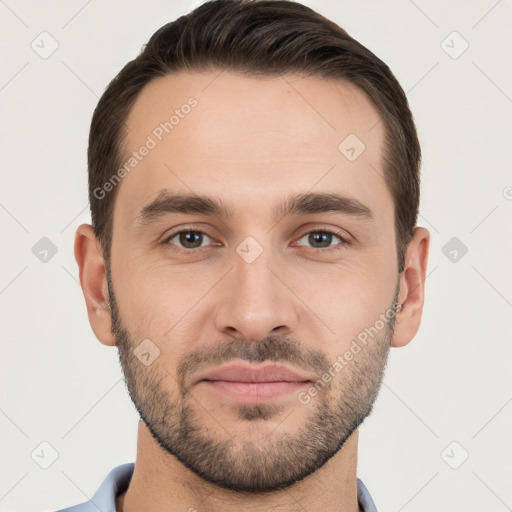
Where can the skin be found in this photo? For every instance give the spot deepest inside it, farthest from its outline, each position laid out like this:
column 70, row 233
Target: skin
column 251, row 142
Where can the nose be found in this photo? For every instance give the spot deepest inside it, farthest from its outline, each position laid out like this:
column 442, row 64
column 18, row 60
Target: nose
column 256, row 301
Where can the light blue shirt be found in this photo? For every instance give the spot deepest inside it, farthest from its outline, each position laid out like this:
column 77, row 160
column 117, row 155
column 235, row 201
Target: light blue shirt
column 118, row 479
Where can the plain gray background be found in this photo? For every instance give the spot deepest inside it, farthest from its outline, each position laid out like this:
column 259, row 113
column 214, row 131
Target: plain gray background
column 446, row 396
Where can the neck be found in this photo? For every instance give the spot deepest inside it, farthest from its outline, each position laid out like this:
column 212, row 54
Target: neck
column 161, row 482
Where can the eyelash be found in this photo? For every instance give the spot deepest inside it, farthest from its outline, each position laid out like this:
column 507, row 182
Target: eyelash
column 191, row 229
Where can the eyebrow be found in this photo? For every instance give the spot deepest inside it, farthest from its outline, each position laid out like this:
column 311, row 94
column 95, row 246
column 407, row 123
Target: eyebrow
column 301, row 204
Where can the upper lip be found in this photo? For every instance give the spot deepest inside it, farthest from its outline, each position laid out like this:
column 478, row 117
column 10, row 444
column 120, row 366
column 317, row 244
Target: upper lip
column 239, row 372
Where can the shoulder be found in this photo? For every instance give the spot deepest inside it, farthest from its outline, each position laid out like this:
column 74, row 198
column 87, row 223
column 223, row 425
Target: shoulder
column 104, row 498
column 364, row 498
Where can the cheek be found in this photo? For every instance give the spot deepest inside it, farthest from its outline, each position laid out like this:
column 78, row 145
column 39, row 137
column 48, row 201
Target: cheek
column 162, row 302
column 348, row 300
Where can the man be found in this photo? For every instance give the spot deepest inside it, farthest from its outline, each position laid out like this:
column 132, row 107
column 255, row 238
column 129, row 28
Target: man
column 254, row 189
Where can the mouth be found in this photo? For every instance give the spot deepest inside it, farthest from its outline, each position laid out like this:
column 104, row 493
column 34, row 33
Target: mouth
column 254, row 383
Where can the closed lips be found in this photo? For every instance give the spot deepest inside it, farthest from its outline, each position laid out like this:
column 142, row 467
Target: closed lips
column 250, row 373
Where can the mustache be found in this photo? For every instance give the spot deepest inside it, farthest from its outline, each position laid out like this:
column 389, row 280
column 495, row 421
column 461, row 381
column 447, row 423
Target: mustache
column 277, row 349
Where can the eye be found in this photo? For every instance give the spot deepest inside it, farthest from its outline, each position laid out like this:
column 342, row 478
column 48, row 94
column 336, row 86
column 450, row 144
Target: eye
column 191, row 239
column 322, row 239
column 188, row 238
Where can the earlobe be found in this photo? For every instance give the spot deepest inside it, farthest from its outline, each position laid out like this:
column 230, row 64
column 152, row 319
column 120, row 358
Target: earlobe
column 412, row 289
column 93, row 281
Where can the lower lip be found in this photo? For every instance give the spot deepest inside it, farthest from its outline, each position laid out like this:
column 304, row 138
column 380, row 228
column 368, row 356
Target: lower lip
column 254, row 390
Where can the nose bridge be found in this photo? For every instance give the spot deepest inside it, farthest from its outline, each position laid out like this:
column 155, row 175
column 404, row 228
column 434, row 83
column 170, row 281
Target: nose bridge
column 254, row 301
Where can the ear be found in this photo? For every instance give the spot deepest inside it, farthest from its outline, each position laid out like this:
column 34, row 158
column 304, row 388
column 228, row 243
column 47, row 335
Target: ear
column 412, row 288
column 93, row 279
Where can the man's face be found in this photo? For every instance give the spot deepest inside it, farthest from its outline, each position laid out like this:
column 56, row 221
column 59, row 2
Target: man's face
column 260, row 287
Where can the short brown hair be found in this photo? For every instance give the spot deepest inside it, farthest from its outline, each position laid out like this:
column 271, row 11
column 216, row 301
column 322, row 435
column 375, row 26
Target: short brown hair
column 269, row 37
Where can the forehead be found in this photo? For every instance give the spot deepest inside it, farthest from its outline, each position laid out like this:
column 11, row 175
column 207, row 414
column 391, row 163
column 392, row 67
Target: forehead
column 248, row 140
